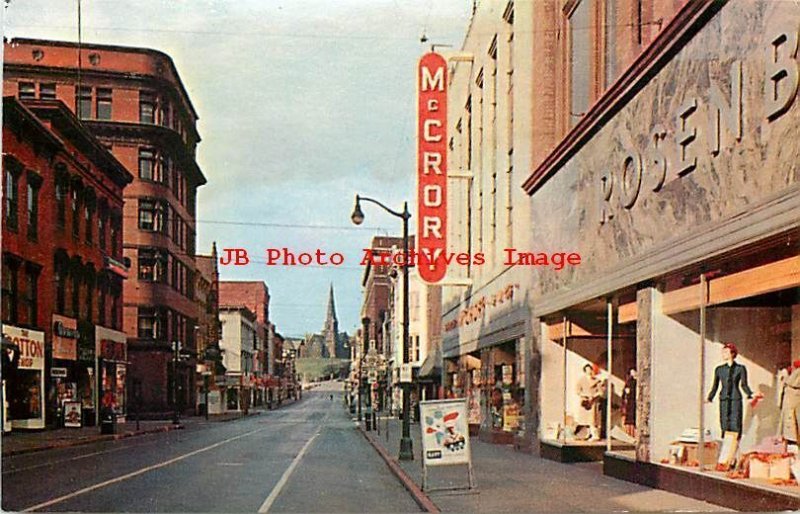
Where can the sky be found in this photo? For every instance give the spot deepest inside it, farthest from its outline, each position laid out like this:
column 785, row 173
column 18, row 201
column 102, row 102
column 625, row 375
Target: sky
column 302, row 104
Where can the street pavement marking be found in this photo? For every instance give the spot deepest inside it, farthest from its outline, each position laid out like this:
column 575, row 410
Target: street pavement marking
column 137, row 472
column 286, row 474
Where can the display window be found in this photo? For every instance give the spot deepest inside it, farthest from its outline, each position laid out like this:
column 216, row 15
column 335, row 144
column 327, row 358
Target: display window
column 25, row 390
column 503, row 393
column 589, row 374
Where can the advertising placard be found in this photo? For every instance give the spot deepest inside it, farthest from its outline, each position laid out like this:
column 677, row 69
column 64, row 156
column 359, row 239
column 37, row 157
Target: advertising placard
column 65, row 338
column 445, row 432
column 72, row 414
column 26, row 391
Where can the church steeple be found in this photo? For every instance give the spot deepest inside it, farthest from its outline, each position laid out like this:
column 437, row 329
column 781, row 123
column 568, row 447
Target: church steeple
column 331, row 315
column 330, row 331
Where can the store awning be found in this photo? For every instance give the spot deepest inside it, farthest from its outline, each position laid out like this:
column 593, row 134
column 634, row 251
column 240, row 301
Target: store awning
column 431, row 367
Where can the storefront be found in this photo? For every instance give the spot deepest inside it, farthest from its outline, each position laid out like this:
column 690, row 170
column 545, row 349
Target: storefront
column 69, row 381
column 683, row 205
column 484, row 361
column 24, row 390
column 112, row 366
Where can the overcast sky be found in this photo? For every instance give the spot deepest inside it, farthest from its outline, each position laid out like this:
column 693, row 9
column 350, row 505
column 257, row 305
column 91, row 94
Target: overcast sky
column 302, row 103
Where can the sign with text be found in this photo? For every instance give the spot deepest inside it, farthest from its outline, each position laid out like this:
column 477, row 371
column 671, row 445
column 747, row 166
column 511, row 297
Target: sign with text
column 431, row 236
column 445, row 432
column 65, row 338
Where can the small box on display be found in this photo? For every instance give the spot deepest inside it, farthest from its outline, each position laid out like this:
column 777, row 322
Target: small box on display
column 691, row 454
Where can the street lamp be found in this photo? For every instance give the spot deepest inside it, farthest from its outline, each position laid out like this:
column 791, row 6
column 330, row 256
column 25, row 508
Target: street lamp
column 176, row 348
column 406, row 449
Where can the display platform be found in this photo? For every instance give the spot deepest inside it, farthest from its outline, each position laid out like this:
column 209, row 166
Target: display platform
column 740, row 494
column 577, row 451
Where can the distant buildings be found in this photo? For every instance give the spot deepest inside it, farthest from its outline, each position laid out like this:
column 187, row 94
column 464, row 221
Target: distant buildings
column 330, row 343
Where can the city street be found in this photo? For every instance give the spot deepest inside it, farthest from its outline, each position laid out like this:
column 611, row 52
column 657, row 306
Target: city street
column 306, row 457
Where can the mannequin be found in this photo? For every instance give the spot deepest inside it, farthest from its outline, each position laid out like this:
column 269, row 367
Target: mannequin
column 589, row 390
column 629, row 403
column 790, row 404
column 731, row 376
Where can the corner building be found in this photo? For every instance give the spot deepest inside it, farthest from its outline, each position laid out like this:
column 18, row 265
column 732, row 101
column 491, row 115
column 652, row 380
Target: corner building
column 133, row 101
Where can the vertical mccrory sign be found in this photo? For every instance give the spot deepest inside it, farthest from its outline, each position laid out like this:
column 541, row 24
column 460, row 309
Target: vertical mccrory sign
column 432, row 167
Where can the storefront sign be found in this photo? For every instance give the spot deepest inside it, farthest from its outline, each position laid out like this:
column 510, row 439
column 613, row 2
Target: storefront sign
column 432, row 167
column 65, row 338
column 405, row 373
column 445, row 432
column 704, row 127
column 475, row 311
column 26, row 391
column 58, row 372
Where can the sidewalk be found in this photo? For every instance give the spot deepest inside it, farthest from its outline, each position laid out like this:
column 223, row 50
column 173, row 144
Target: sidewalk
column 511, row 481
column 19, row 441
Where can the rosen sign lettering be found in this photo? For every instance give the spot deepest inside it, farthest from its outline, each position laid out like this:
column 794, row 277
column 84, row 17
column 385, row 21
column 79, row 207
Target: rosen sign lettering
column 432, row 166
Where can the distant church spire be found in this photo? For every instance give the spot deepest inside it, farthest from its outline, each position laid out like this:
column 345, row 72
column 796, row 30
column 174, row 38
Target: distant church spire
column 330, row 331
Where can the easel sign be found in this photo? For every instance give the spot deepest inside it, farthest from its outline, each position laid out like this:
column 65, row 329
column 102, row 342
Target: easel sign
column 445, row 439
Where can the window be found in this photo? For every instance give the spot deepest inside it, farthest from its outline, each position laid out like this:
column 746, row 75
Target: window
column 103, row 104
column 33, row 208
column 146, row 164
column 30, row 296
column 89, row 303
column 61, row 289
column 151, row 215
column 151, row 323
column 47, row 91
column 83, row 102
column 61, row 203
column 89, row 225
column 147, row 107
column 115, row 226
column 115, row 307
column 152, row 265
column 10, row 290
column 76, row 295
column 580, row 64
column 101, row 304
column 610, row 42
column 27, row 90
column 12, row 198
column 75, row 207
column 101, row 228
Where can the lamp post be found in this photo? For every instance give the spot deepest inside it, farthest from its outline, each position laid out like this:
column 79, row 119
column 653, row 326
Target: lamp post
column 176, row 348
column 406, row 449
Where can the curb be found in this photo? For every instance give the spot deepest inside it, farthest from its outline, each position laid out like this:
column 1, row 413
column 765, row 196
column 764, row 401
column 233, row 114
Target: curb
column 422, row 499
column 95, row 439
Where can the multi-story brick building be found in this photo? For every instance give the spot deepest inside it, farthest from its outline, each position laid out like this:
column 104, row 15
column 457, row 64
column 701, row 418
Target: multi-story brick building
column 255, row 296
column 62, row 270
column 209, row 329
column 133, row 101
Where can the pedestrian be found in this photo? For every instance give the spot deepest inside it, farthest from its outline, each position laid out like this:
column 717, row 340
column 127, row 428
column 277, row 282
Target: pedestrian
column 331, row 397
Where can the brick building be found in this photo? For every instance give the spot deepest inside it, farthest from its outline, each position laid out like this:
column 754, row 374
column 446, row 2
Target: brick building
column 133, row 101
column 62, row 270
column 255, row 296
column 209, row 329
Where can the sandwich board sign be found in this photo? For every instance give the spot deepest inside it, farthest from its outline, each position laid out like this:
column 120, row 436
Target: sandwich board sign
column 445, row 438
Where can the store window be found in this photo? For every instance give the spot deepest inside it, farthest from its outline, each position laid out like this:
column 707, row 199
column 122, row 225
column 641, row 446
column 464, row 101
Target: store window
column 11, row 194
column 104, row 104
column 27, row 90
column 83, row 102
column 147, row 107
column 580, row 48
column 47, row 91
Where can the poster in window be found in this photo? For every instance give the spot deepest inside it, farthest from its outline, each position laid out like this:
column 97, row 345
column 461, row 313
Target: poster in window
column 119, row 388
column 26, row 390
column 72, row 414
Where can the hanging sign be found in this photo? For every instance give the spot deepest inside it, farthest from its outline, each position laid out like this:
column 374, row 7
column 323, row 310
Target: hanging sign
column 432, row 143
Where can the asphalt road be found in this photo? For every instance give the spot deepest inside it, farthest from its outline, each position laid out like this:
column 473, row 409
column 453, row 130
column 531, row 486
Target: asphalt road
column 306, row 457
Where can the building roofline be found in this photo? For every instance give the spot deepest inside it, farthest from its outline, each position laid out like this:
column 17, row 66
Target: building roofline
column 116, row 48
